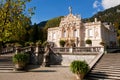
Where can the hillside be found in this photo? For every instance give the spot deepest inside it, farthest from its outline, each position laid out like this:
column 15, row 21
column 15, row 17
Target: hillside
column 110, row 15
column 42, row 24
column 54, row 22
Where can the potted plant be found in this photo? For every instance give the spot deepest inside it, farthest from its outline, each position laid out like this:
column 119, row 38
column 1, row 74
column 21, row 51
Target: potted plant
column 31, row 43
column 45, row 43
column 20, row 60
column 62, row 43
column 102, row 43
column 27, row 43
column 80, row 68
column 89, row 42
column 17, row 45
column 38, row 43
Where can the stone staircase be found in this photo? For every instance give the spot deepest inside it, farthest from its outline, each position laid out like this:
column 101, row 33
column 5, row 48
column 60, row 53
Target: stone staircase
column 108, row 67
column 6, row 64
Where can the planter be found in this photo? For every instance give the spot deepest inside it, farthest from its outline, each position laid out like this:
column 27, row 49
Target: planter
column 19, row 66
column 88, row 42
column 79, row 76
column 20, row 60
column 79, row 68
column 88, row 45
column 62, row 43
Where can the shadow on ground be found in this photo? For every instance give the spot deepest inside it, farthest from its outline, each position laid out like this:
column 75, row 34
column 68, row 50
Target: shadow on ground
column 42, row 71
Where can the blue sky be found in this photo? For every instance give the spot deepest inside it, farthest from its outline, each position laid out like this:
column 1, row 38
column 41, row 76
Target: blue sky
column 48, row 9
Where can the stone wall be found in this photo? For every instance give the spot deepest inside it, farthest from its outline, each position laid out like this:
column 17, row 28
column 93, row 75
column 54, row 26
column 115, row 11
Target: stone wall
column 67, row 59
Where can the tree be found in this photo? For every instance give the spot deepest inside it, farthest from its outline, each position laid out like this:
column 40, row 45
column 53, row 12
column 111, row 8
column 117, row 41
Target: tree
column 13, row 20
column 34, row 34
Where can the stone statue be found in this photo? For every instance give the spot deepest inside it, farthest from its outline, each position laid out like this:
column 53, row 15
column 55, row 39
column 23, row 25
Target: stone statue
column 46, row 59
column 70, row 10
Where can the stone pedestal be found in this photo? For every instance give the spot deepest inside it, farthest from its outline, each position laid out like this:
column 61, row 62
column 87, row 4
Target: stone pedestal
column 71, row 50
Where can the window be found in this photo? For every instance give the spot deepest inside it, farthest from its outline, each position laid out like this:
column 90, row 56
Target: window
column 75, row 33
column 90, row 33
column 64, row 34
column 54, row 36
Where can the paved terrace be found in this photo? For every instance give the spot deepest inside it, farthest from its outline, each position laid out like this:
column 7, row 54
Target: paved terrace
column 41, row 73
column 36, row 72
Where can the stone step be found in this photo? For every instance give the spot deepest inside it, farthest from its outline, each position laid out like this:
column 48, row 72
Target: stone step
column 110, row 66
column 107, row 71
column 107, row 68
column 6, row 64
column 106, row 74
column 102, row 77
column 108, row 62
column 10, row 66
column 6, row 68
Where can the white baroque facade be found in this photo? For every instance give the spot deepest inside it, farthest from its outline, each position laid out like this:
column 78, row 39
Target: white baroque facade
column 73, row 30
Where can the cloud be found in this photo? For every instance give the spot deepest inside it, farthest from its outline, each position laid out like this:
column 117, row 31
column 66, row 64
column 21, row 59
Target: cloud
column 94, row 12
column 109, row 3
column 96, row 4
column 105, row 4
column 98, row 9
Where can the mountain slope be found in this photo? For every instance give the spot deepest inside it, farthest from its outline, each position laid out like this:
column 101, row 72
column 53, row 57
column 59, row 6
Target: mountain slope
column 109, row 15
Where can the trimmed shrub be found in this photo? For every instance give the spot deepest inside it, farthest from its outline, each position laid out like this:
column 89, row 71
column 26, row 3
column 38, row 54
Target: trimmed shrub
column 45, row 43
column 79, row 67
column 62, row 43
column 20, row 58
column 88, row 41
column 102, row 43
column 38, row 43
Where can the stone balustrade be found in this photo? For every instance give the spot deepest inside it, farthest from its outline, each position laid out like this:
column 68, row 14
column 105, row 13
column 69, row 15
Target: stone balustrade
column 7, row 50
column 78, row 49
column 61, row 50
column 25, row 49
column 62, row 55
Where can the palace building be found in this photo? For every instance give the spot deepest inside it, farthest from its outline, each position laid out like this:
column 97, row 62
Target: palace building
column 73, row 31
